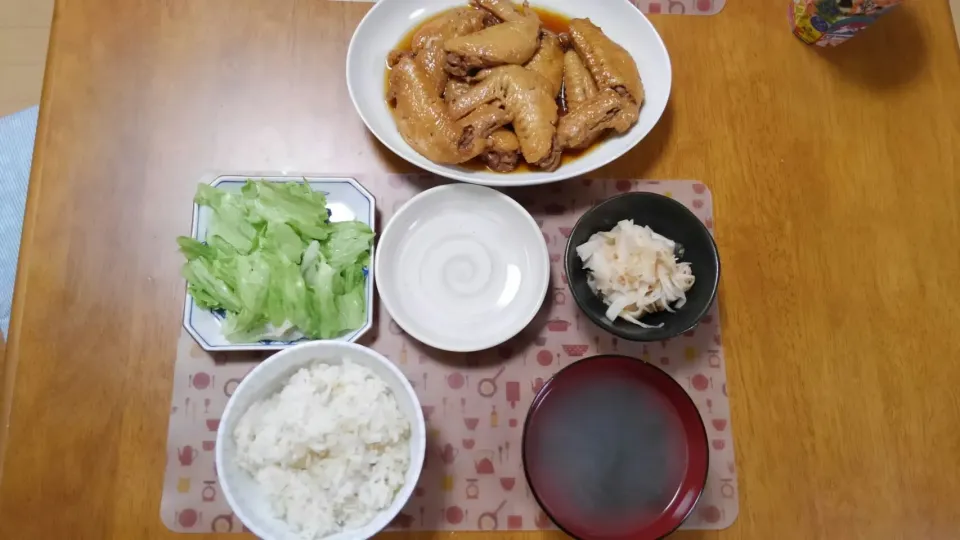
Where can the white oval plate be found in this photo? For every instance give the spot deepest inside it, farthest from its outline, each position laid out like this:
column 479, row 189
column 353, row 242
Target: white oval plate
column 462, row 268
column 389, row 20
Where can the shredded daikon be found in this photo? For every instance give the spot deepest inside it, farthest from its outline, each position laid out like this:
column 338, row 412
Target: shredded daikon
column 635, row 271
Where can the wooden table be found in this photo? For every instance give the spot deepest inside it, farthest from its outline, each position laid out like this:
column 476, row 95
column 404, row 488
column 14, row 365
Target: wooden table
column 836, row 180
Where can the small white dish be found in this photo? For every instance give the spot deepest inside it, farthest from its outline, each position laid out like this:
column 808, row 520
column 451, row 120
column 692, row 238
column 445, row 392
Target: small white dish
column 241, row 490
column 462, row 268
column 389, row 20
column 346, row 200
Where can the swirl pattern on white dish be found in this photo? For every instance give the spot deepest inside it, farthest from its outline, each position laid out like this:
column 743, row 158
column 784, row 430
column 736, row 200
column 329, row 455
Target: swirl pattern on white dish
column 465, row 268
column 460, row 266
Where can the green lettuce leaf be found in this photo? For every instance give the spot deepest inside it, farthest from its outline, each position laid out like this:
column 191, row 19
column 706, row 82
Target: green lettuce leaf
column 272, row 261
column 281, row 239
column 293, row 203
column 207, row 289
column 324, row 317
column 195, row 249
column 230, row 221
column 349, row 241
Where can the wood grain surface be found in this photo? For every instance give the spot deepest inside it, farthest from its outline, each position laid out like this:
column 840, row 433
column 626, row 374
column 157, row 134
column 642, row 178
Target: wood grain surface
column 24, row 32
column 955, row 10
column 835, row 179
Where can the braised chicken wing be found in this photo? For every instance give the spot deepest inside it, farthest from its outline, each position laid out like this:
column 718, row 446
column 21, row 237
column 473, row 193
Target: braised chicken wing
column 583, row 126
column 504, row 10
column 424, row 122
column 454, row 89
column 527, row 98
column 503, row 151
column 548, row 61
column 610, row 64
column 428, row 40
column 456, row 22
column 578, row 83
column 514, row 41
column 478, row 126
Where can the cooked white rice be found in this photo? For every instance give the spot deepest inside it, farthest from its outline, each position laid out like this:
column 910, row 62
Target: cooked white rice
column 330, row 449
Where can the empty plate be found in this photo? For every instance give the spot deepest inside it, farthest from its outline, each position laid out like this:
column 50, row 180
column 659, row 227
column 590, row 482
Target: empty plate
column 462, row 268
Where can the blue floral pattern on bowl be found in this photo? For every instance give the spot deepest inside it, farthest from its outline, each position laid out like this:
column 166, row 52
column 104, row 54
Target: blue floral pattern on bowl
column 346, row 200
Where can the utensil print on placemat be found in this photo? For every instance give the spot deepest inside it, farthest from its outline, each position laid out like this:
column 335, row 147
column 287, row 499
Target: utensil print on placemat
column 472, row 491
column 456, row 380
column 560, row 297
column 448, row 454
column 558, row 325
column 201, row 380
column 513, row 393
column 188, row 518
column 187, row 455
column 727, row 488
column 454, row 515
column 488, row 521
column 484, row 464
column 699, row 382
column 713, row 359
column 209, row 492
column 710, row 514
column 576, row 351
column 488, row 387
column 222, row 523
column 544, row 358
column 231, row 385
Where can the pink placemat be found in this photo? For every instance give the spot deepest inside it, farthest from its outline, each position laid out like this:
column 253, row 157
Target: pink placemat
column 475, row 404
column 673, row 7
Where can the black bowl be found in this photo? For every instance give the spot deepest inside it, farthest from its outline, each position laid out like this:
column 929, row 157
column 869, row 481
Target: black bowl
column 666, row 217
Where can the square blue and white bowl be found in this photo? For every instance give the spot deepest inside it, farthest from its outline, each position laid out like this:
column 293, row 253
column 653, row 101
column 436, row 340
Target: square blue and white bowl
column 346, row 200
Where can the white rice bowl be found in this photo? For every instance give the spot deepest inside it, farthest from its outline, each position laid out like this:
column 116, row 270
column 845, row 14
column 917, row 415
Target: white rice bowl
column 322, row 440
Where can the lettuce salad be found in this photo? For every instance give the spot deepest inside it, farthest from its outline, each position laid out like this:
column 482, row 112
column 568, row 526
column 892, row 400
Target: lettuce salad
column 276, row 265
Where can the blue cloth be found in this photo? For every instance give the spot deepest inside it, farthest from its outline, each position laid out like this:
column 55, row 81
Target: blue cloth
column 17, row 133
